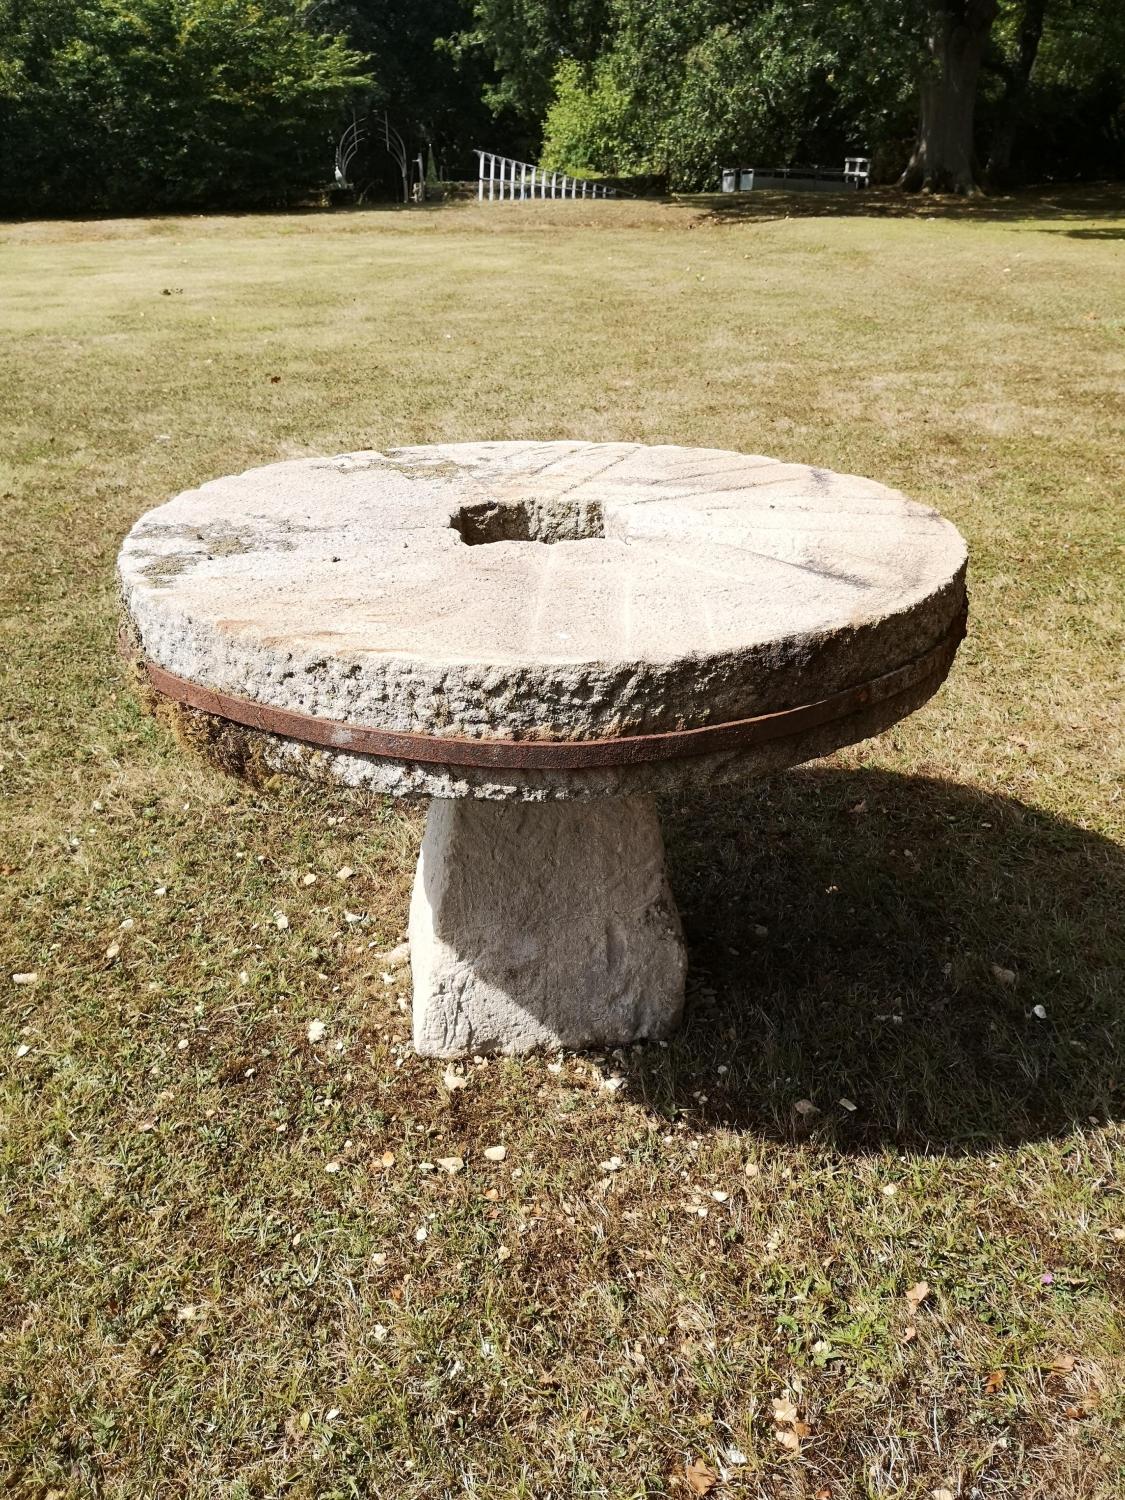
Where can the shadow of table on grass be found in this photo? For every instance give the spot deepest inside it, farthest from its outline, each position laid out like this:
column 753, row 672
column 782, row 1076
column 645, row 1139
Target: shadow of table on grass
column 949, row 961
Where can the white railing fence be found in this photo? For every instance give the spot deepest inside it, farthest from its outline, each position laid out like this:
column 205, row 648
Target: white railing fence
column 500, row 177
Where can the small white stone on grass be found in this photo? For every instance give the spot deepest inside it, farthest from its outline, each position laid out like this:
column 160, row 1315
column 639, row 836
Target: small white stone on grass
column 345, row 872
column 29, row 978
column 315, row 1032
column 495, row 1153
column 1039, row 1012
column 281, row 921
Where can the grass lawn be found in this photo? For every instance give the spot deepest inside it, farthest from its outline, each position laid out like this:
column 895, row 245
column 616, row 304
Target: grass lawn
column 228, row 1265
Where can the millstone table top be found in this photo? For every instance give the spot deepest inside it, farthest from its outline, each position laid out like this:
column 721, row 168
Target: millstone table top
column 545, row 593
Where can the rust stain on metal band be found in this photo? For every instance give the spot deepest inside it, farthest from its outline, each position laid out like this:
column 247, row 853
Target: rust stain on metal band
column 559, row 755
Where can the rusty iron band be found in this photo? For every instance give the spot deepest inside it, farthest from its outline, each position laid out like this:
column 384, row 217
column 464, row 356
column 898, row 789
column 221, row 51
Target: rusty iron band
column 561, row 755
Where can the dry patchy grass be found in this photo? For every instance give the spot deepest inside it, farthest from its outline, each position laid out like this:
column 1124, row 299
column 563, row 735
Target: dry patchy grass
column 194, row 1303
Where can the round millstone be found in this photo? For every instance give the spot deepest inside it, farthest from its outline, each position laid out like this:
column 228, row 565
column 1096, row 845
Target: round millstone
column 544, row 591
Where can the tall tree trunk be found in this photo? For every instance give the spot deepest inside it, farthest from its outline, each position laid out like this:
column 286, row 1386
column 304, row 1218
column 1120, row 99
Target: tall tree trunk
column 1017, row 76
column 943, row 158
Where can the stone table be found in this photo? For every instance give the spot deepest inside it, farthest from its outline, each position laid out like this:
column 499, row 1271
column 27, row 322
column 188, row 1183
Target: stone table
column 541, row 637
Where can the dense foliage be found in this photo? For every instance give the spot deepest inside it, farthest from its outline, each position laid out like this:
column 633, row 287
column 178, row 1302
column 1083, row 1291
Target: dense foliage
column 685, row 86
column 140, row 104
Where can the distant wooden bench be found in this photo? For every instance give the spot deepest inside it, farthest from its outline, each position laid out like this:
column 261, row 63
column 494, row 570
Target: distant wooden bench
column 855, row 173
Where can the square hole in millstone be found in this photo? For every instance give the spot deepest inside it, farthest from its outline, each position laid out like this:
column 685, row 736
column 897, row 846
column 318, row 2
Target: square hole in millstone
column 557, row 519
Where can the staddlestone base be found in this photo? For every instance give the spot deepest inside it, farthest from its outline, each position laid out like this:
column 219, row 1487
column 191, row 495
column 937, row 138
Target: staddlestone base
column 543, row 925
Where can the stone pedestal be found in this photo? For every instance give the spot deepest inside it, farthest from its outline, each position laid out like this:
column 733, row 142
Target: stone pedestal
column 545, row 924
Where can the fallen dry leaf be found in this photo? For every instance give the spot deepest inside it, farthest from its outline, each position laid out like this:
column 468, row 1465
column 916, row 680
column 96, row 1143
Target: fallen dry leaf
column 388, row 1158
column 788, row 1439
column 701, row 1477
column 1062, row 1364
column 297, row 1425
column 994, row 1383
column 805, row 1108
column 451, row 1164
column 784, row 1412
column 918, row 1293
column 1006, row 977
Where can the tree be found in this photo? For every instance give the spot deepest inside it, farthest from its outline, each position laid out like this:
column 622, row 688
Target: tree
column 685, row 87
column 141, row 104
column 1016, row 73
column 957, row 34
